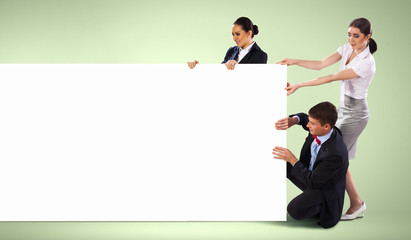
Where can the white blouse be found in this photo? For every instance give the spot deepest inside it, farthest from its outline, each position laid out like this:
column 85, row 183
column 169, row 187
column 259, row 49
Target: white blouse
column 244, row 52
column 363, row 65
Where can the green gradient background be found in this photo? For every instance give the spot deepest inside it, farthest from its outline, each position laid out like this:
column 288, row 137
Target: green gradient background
column 108, row 31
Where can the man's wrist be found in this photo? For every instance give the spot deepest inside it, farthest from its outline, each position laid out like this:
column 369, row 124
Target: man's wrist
column 293, row 161
column 295, row 119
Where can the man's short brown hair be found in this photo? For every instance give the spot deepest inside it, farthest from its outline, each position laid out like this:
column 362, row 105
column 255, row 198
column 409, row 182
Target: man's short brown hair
column 324, row 112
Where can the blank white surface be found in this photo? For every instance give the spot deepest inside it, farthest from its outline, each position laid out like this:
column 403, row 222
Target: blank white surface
column 114, row 142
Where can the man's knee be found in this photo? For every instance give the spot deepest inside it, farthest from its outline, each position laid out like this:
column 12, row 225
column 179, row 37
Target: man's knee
column 299, row 210
column 294, row 211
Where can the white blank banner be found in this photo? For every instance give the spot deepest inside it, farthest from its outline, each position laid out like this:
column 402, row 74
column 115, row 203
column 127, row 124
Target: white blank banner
column 106, row 142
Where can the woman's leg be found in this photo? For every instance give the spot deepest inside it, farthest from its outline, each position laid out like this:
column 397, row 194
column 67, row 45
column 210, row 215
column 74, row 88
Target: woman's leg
column 355, row 200
column 352, row 120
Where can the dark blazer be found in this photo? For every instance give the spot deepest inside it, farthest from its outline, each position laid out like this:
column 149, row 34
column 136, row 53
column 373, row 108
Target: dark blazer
column 328, row 174
column 255, row 55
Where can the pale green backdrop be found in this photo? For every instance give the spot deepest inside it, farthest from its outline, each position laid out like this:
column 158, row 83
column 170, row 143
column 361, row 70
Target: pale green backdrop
column 154, row 31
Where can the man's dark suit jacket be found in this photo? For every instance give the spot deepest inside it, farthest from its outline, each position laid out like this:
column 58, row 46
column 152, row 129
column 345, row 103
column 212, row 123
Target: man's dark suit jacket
column 328, row 174
column 255, row 55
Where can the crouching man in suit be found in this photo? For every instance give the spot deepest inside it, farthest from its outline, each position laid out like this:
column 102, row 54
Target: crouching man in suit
column 320, row 172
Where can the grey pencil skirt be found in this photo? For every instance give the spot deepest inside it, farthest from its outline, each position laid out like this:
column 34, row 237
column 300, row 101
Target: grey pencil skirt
column 353, row 116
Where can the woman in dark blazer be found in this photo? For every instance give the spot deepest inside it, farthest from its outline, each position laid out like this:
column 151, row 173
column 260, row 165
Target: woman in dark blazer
column 246, row 51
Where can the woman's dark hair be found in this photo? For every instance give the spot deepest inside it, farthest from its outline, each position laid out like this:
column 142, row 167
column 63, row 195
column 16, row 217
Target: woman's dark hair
column 247, row 25
column 365, row 28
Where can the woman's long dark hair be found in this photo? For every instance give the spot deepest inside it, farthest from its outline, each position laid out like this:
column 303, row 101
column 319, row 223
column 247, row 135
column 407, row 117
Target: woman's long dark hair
column 365, row 28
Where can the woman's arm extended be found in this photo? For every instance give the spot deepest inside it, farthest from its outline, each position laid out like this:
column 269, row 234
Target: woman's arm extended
column 314, row 65
column 341, row 75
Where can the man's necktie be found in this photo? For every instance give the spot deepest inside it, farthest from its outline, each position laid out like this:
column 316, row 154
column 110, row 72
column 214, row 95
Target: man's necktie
column 314, row 152
column 316, row 139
